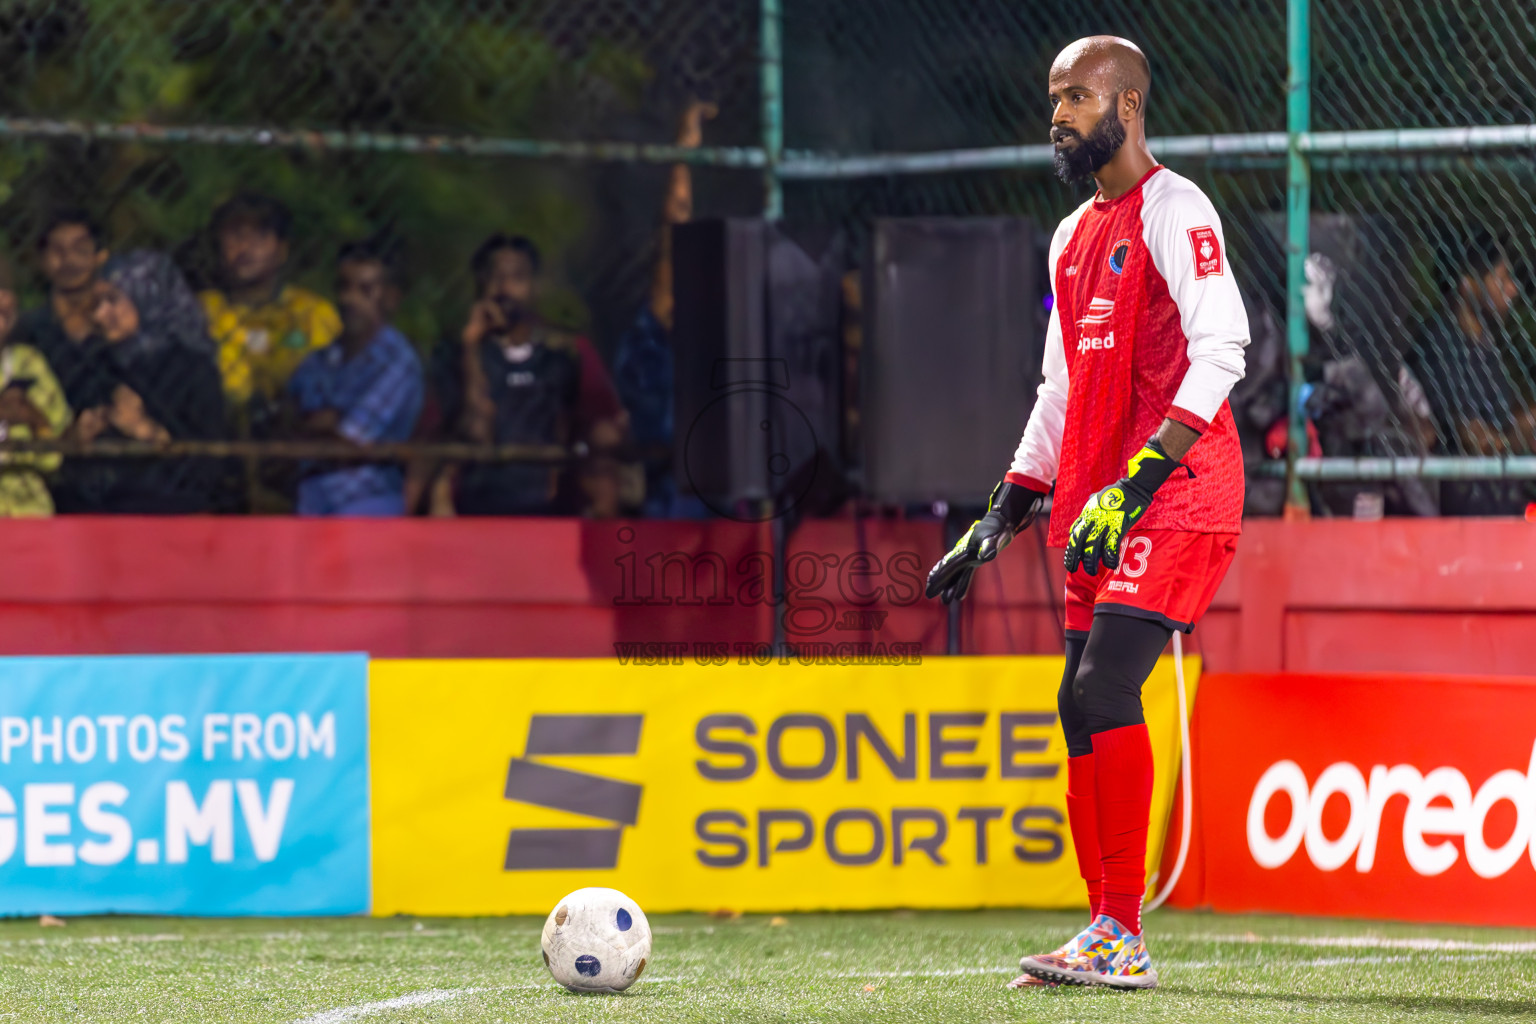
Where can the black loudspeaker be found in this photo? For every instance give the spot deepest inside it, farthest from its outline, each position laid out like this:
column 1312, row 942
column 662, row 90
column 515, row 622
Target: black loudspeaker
column 758, row 359
column 952, row 357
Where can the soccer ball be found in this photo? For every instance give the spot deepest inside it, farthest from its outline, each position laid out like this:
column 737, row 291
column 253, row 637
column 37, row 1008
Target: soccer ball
column 596, row 940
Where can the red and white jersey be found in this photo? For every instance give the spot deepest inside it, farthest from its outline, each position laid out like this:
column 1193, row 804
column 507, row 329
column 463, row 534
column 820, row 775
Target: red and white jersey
column 1147, row 324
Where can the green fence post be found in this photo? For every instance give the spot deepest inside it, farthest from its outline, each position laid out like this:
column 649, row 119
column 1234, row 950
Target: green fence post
column 772, row 59
column 1297, row 242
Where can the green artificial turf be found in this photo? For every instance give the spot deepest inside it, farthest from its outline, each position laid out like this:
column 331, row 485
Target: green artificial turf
column 898, row 967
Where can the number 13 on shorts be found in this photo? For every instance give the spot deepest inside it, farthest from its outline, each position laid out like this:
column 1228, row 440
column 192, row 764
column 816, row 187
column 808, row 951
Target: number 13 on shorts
column 1133, row 556
column 1168, row 576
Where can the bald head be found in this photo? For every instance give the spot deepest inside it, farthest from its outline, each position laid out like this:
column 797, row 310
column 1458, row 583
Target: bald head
column 1108, row 65
column 1098, row 90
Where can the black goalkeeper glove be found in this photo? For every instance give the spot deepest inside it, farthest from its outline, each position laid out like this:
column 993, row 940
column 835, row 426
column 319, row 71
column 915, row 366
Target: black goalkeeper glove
column 1111, row 513
column 1011, row 509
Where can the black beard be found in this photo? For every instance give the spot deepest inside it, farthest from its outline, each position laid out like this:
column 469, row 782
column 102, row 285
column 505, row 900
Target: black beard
column 1092, row 151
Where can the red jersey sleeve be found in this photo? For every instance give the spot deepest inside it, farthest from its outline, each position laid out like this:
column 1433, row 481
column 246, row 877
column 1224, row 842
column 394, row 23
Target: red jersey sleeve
column 597, row 399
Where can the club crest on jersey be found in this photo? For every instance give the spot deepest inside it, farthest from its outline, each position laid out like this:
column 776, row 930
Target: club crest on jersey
column 1117, row 254
column 1207, row 251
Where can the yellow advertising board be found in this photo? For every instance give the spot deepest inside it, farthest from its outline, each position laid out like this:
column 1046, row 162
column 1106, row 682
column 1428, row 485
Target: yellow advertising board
column 498, row 786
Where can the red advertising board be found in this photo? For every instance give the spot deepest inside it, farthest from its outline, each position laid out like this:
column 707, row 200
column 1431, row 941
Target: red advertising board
column 1384, row 796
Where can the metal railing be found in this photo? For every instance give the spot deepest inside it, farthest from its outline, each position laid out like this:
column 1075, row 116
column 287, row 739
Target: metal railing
column 1299, row 149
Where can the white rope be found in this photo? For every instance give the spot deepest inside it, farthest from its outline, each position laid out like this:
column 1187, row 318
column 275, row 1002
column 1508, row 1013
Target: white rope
column 1186, row 772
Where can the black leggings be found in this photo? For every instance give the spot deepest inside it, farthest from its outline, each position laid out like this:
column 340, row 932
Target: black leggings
column 1101, row 688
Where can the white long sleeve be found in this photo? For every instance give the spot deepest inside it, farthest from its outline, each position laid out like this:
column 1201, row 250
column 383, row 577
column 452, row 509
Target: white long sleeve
column 1184, row 238
column 1039, row 451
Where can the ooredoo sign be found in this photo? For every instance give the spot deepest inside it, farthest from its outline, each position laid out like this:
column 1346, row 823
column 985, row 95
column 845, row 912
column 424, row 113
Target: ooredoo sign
column 1410, row 797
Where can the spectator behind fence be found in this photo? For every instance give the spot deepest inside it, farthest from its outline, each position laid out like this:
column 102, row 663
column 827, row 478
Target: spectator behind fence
column 263, row 326
column 1475, row 405
column 70, row 254
column 364, row 388
column 32, row 406
column 512, row 379
column 1258, row 404
column 1361, row 403
column 642, row 364
column 147, row 374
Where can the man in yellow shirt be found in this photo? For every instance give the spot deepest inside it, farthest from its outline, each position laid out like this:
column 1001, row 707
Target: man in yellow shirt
column 32, row 405
column 262, row 326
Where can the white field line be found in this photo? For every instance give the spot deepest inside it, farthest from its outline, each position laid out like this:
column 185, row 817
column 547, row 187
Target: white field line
column 1195, row 965
column 429, row 933
column 708, row 929
column 291, row 936
column 411, row 1000
column 1327, row 961
column 952, row 972
column 90, row 940
column 1367, row 942
column 946, row 973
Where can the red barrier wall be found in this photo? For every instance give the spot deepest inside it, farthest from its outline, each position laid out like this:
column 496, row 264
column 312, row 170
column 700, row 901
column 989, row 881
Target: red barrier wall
column 1400, row 595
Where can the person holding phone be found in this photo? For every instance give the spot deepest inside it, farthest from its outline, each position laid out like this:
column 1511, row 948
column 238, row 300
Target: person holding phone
column 32, row 406
column 512, row 378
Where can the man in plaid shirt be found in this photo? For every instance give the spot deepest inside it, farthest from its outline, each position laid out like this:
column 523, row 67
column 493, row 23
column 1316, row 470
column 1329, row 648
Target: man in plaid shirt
column 365, row 387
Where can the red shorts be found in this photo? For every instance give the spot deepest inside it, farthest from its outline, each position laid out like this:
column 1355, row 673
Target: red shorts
column 1168, row 576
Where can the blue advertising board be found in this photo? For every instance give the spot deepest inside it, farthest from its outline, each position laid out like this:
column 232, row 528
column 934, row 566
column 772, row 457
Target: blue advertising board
column 184, row 785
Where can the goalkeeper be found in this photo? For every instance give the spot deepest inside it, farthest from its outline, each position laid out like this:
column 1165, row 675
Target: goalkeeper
column 1132, row 425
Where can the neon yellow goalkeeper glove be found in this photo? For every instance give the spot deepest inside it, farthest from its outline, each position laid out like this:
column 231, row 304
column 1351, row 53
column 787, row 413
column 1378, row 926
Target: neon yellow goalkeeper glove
column 1111, row 513
column 1011, row 509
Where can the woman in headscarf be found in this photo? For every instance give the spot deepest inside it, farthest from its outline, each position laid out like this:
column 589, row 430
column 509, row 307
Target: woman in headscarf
column 153, row 378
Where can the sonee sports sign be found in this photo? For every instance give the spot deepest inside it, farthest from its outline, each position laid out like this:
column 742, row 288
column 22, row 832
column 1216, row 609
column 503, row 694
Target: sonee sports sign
column 852, row 750
column 498, row 786
column 533, row 781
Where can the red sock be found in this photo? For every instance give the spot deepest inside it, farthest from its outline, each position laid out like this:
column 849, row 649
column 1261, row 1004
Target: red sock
column 1123, row 772
column 1084, row 824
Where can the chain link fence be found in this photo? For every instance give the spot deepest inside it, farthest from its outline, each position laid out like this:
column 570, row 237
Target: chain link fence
column 924, row 77
column 557, row 70
column 1426, row 349
column 435, row 124
column 1418, row 361
column 399, row 120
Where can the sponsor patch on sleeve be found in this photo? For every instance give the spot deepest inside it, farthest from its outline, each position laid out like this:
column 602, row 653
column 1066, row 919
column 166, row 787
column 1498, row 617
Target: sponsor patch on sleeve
column 1207, row 248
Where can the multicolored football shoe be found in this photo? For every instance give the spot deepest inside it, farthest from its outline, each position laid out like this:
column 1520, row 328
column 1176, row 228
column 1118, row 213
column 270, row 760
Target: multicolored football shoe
column 1109, row 956
column 1073, row 946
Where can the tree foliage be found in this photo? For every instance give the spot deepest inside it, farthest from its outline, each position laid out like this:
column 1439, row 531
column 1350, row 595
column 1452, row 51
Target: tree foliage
column 548, row 68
